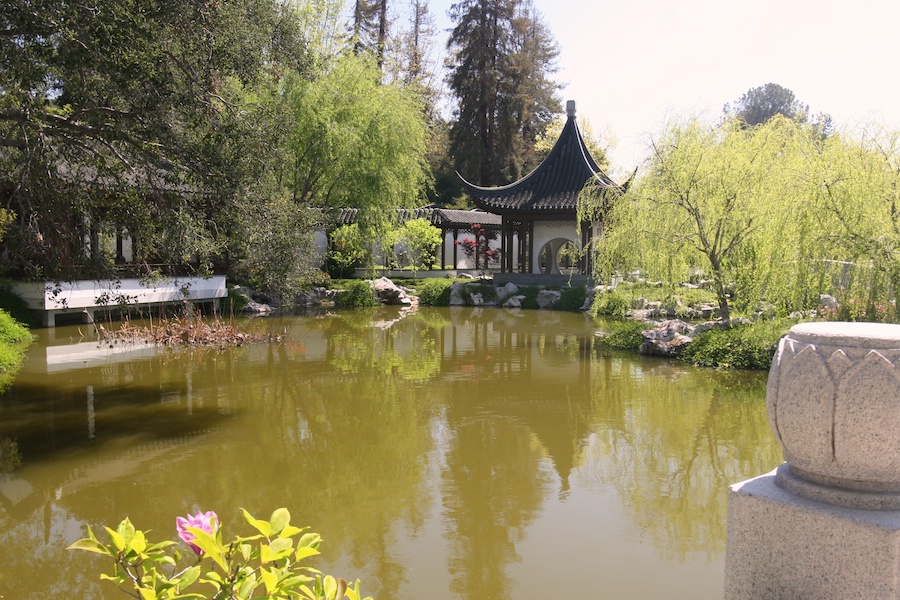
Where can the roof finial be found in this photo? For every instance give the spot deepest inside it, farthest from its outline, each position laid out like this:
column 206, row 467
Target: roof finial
column 570, row 108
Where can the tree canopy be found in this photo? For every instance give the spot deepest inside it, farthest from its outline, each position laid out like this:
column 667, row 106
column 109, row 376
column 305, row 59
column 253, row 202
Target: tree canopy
column 502, row 56
column 200, row 128
column 774, row 214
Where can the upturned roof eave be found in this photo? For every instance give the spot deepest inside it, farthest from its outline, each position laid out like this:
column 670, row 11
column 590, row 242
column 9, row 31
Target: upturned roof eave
column 482, row 195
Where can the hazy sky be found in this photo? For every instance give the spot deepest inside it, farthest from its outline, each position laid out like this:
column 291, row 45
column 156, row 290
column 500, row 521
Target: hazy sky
column 630, row 64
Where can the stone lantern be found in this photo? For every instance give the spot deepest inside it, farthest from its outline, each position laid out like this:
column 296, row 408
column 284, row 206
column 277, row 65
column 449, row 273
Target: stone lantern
column 826, row 523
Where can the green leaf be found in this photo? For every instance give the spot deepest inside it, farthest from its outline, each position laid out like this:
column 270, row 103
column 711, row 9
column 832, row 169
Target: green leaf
column 282, row 545
column 147, row 593
column 116, row 538
column 248, row 585
column 290, row 531
column 280, row 519
column 331, row 587
column 213, row 578
column 280, row 548
column 306, row 552
column 245, row 551
column 189, row 577
column 261, row 526
column 91, row 546
column 270, row 579
column 310, row 539
column 209, row 545
column 126, row 529
column 160, row 546
column 138, row 542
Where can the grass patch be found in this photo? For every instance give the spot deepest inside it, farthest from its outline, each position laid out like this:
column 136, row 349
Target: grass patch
column 622, row 335
column 743, row 347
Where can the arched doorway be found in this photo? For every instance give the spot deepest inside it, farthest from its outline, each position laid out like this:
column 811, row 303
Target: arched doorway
column 559, row 256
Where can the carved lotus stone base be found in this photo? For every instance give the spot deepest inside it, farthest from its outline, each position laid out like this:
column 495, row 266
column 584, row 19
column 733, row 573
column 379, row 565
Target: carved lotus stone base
column 825, row 525
column 833, row 399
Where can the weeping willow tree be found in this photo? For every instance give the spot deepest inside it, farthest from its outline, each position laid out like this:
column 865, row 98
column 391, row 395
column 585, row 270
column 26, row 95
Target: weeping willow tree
column 716, row 201
column 855, row 181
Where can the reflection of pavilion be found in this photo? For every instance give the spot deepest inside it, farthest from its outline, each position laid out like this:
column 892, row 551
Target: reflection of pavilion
column 528, row 372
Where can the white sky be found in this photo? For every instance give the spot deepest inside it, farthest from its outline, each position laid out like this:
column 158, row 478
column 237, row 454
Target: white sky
column 630, row 64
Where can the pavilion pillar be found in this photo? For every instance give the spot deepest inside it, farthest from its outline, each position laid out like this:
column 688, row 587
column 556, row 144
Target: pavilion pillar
column 503, row 246
column 455, row 246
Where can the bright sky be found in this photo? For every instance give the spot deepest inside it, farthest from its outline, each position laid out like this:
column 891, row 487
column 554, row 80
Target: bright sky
column 631, row 64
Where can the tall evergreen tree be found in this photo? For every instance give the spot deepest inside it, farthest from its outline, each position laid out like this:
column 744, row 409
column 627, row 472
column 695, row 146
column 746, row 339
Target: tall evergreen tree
column 416, row 69
column 501, row 56
column 369, row 28
column 529, row 101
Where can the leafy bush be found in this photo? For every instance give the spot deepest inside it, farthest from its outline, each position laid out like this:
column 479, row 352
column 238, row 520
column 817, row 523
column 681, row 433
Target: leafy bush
column 357, row 294
column 609, row 304
column 623, row 335
column 572, row 298
column 14, row 339
column 435, row 292
column 15, row 305
column 272, row 560
column 233, row 303
column 487, row 291
column 347, row 251
column 421, row 240
column 743, row 347
column 531, row 293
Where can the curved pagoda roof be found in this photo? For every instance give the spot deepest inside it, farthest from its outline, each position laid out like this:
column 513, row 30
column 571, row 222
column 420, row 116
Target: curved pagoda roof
column 553, row 187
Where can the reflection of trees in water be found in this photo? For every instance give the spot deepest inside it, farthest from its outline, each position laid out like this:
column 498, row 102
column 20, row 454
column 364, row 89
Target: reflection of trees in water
column 280, row 432
column 494, row 487
column 10, row 458
column 672, row 441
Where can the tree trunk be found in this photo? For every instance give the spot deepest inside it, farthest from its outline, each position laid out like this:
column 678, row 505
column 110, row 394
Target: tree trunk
column 719, row 280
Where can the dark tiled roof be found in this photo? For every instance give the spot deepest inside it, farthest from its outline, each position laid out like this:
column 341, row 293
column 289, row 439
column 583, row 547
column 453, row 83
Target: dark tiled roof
column 553, row 187
column 436, row 216
column 463, row 218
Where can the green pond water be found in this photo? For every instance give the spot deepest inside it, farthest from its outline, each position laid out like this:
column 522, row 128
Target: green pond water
column 446, row 454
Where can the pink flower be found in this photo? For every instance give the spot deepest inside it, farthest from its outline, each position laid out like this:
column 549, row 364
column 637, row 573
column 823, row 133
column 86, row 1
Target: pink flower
column 208, row 522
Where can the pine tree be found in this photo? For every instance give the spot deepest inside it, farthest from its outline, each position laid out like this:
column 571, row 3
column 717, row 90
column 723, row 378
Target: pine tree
column 502, row 55
column 529, row 101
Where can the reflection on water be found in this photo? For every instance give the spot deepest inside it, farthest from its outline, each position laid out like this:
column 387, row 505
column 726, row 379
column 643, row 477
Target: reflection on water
column 449, row 453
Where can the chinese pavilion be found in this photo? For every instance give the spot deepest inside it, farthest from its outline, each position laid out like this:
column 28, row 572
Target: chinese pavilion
column 540, row 211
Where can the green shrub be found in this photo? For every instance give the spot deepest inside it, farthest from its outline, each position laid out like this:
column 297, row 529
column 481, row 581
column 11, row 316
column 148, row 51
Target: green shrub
column 233, row 303
column 357, row 293
column 435, row 292
column 622, row 335
column 609, row 304
column 531, row 293
column 347, row 251
column 487, row 291
column 15, row 305
column 14, row 339
column 743, row 347
column 573, row 298
column 11, row 331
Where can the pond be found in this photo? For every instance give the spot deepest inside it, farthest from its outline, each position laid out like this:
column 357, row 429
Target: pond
column 445, row 454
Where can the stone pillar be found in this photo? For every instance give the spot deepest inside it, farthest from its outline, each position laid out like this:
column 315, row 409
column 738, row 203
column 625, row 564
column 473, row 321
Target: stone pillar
column 826, row 523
